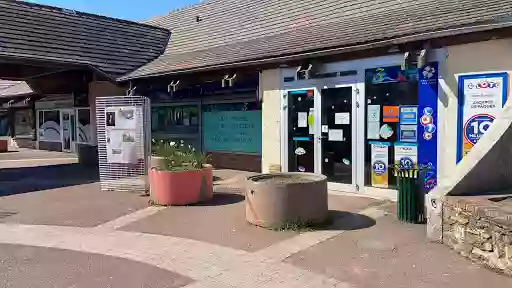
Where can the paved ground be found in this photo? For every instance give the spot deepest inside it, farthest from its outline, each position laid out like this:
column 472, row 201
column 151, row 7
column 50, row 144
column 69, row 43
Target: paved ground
column 76, row 236
column 28, row 266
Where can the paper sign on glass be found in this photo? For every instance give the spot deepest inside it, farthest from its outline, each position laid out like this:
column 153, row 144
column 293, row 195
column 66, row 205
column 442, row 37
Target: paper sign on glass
column 336, row 135
column 302, row 121
column 342, row 118
column 373, row 113
column 373, row 130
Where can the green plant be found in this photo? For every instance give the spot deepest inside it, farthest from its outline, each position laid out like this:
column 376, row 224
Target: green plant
column 178, row 157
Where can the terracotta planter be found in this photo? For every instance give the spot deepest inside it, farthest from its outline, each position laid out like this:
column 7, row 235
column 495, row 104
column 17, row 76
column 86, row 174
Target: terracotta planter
column 181, row 188
column 4, row 145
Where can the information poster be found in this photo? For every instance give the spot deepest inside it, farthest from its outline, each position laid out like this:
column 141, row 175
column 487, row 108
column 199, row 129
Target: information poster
column 481, row 97
column 380, row 160
column 406, row 155
column 121, row 132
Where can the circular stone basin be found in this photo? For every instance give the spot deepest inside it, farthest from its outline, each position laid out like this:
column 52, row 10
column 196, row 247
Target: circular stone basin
column 273, row 200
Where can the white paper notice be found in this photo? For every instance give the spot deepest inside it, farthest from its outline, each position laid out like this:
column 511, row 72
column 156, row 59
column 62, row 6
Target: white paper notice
column 325, row 128
column 373, row 113
column 373, row 130
column 342, row 118
column 336, row 135
column 302, row 121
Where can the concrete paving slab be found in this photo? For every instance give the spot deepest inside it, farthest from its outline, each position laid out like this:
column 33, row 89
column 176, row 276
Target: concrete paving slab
column 392, row 254
column 220, row 221
column 81, row 205
column 27, row 266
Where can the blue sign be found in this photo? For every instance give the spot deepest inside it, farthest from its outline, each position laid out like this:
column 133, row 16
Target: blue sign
column 409, row 115
column 476, row 127
column 379, row 167
column 232, row 131
column 427, row 144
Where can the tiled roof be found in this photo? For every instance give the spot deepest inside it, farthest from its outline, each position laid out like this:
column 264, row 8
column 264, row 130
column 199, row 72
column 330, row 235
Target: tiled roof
column 239, row 31
column 46, row 33
column 10, row 89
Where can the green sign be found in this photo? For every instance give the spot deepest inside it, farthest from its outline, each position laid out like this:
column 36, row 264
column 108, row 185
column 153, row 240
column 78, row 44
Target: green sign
column 232, row 131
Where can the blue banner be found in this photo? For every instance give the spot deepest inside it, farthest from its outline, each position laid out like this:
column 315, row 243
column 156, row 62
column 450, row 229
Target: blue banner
column 232, row 131
column 427, row 126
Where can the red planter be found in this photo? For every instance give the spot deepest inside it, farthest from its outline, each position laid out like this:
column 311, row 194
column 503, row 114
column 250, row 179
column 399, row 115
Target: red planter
column 181, row 188
column 4, row 145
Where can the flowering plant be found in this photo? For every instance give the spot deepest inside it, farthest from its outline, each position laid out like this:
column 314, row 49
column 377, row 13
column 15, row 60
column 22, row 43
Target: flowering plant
column 177, row 156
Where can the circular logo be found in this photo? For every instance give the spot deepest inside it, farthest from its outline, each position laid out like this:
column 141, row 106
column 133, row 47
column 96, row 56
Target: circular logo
column 406, row 163
column 379, row 167
column 430, row 128
column 427, row 136
column 428, row 111
column 426, row 119
column 476, row 126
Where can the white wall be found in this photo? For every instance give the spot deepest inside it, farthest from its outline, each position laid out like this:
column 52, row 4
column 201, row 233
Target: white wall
column 271, row 118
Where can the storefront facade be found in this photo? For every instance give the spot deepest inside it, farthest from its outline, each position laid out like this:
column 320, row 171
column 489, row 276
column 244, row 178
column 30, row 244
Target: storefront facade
column 354, row 120
column 224, row 122
column 62, row 123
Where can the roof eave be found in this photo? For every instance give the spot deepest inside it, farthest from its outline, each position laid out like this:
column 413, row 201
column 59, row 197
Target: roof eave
column 327, row 52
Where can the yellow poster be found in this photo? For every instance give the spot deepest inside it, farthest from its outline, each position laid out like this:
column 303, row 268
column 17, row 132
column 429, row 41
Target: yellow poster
column 380, row 160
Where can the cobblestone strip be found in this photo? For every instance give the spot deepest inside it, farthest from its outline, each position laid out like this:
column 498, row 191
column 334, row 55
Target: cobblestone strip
column 130, row 218
column 211, row 265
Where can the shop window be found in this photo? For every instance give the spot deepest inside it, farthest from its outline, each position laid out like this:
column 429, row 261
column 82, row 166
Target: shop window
column 23, row 123
column 84, row 128
column 4, row 124
column 183, row 119
column 232, row 127
column 390, row 93
column 49, row 125
column 176, row 123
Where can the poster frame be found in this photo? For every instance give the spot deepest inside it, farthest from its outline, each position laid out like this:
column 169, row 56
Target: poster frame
column 461, row 98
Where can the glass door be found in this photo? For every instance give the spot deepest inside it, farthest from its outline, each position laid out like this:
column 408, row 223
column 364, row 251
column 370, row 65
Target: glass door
column 301, row 130
column 337, row 137
column 68, row 120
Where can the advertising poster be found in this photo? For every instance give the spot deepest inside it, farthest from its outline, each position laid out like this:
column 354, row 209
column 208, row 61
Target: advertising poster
column 408, row 133
column 390, row 114
column 121, row 133
column 408, row 115
column 481, row 97
column 406, row 155
column 380, row 160
column 428, row 87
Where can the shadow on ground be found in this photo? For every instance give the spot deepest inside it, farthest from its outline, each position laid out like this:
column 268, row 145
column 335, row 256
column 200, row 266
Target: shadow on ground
column 29, row 179
column 347, row 221
column 220, row 198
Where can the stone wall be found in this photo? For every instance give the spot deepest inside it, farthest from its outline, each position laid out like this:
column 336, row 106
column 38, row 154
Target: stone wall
column 480, row 230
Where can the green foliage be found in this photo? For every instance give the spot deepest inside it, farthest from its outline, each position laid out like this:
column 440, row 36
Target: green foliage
column 178, row 157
